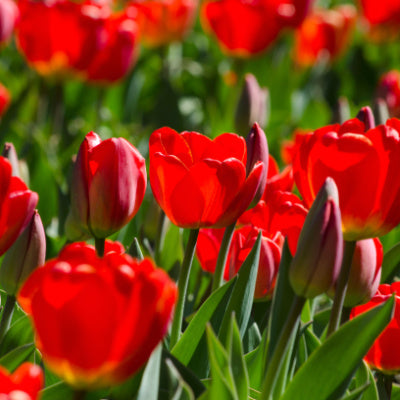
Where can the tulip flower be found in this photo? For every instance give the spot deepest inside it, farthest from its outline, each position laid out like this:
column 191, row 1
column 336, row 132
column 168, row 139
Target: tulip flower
column 364, row 165
column 252, row 105
column 97, row 320
column 162, row 22
column 389, row 90
column 316, row 264
column 5, row 99
column 200, row 182
column 108, row 185
column 8, row 19
column 17, row 204
column 27, row 253
column 365, row 272
column 324, row 33
column 384, row 355
column 244, row 29
column 382, row 12
column 23, row 384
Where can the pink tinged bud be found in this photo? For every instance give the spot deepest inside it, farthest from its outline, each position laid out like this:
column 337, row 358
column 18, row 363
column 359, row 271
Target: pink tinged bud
column 8, row 17
column 365, row 273
column 257, row 151
column 27, row 253
column 10, row 153
column 366, row 116
column 252, row 107
column 316, row 264
column 108, row 186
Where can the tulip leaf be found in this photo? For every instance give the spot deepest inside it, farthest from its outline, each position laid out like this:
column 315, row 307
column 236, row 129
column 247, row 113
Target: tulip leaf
column 17, row 356
column 332, row 361
column 356, row 393
column 148, row 389
column 395, row 392
column 255, row 362
column 237, row 361
column 281, row 301
column 59, row 390
column 241, row 300
column 19, row 333
column 183, row 391
column 192, row 335
column 391, row 264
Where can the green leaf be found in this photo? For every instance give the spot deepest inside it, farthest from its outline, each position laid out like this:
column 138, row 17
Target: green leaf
column 190, row 339
column 391, row 264
column 255, row 361
column 237, row 361
column 364, row 376
column 332, row 362
column 59, row 390
column 17, row 356
column 183, row 391
column 241, row 300
column 357, row 394
column 19, row 333
column 151, row 377
column 281, row 301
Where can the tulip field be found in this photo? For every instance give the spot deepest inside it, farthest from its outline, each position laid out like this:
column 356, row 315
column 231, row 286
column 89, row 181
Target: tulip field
column 199, row 200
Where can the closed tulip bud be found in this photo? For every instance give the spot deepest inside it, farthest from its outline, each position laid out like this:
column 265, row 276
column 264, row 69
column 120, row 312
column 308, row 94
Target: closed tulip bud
column 252, row 106
column 108, row 186
column 366, row 116
column 316, row 264
column 257, row 151
column 365, row 272
column 10, row 153
column 27, row 253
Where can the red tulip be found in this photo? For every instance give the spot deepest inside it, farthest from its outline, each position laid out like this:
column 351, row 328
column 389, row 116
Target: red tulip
column 389, row 90
column 200, row 182
column 5, row 99
column 245, row 28
column 324, row 33
column 17, row 204
column 381, row 12
column 97, row 320
column 162, row 22
column 364, row 165
column 24, row 383
column 384, row 354
column 365, row 272
column 108, row 185
column 8, row 19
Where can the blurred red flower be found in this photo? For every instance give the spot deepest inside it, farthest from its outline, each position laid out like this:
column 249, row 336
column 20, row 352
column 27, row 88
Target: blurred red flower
column 389, row 90
column 8, row 18
column 364, row 165
column 108, row 185
column 66, row 38
column 200, row 182
column 17, row 204
column 25, row 381
column 5, row 99
column 161, row 22
column 97, row 320
column 384, row 354
column 244, row 28
column 324, row 33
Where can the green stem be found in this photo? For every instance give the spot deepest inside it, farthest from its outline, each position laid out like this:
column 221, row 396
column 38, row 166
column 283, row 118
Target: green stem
column 278, row 355
column 183, row 282
column 341, row 287
column 160, row 236
column 99, row 245
column 384, row 385
column 222, row 257
column 7, row 316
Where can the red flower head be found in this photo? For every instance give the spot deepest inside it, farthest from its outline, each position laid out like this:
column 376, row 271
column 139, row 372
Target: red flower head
column 5, row 99
column 108, row 185
column 245, row 28
column 97, row 320
column 364, row 165
column 161, row 22
column 24, row 383
column 389, row 90
column 384, row 354
column 324, row 33
column 200, row 182
column 8, row 18
column 17, row 204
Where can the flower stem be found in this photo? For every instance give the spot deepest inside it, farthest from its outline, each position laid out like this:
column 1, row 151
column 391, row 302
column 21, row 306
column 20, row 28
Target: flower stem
column 6, row 317
column 278, row 356
column 384, row 384
column 222, row 256
column 160, row 236
column 99, row 245
column 183, row 282
column 341, row 287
